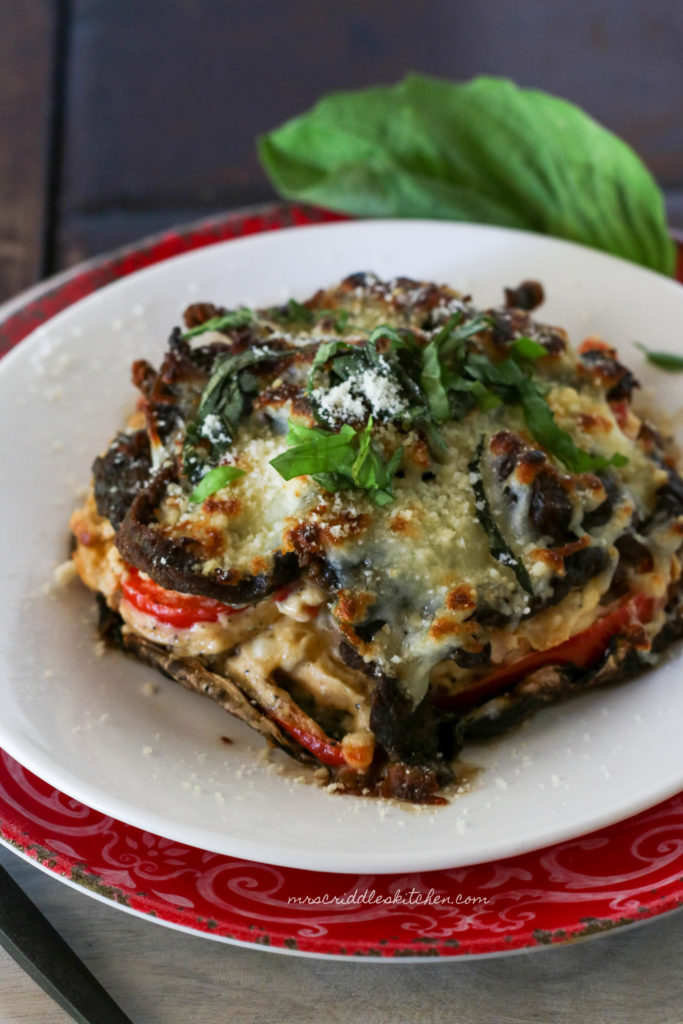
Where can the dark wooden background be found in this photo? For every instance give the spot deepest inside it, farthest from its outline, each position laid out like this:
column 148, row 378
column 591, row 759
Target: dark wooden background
column 122, row 117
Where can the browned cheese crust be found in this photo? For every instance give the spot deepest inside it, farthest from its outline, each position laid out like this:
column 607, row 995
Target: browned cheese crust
column 417, row 587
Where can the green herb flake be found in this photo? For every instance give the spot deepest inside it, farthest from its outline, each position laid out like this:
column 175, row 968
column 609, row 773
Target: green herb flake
column 292, row 312
column 296, row 313
column 485, row 398
column 214, row 480
column 315, row 451
column 668, row 361
column 224, row 402
column 431, row 382
column 453, row 386
column 498, row 547
column 527, row 348
column 236, row 318
column 385, row 331
column 338, row 317
column 327, row 351
column 338, row 461
column 541, row 422
column 455, row 333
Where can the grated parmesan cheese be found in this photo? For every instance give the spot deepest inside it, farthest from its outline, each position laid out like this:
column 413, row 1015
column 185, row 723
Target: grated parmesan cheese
column 371, row 392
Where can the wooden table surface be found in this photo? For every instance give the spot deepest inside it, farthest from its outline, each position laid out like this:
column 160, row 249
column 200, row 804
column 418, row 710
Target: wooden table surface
column 119, row 119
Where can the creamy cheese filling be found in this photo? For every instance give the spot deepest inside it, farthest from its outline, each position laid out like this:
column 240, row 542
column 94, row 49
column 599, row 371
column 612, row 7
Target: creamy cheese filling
column 407, row 583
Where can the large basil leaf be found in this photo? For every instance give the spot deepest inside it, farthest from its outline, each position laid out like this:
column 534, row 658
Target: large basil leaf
column 484, row 151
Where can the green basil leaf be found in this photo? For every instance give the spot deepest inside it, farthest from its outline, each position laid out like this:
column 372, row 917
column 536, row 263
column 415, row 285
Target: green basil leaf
column 381, row 497
column 506, row 374
column 452, row 337
column 527, row 348
column 214, row 480
column 668, row 361
column 334, row 482
column 293, row 312
column 226, row 368
column 221, row 407
column 328, row 350
column 393, row 464
column 339, row 318
column 363, row 472
column 448, row 328
column 372, row 474
column 484, row 150
column 384, row 331
column 432, row 384
column 299, row 433
column 437, row 376
column 350, row 365
column 435, row 441
column 462, row 399
column 324, row 453
column 338, row 462
column 541, row 422
column 498, row 547
column 236, row 318
column 296, row 313
column 485, row 399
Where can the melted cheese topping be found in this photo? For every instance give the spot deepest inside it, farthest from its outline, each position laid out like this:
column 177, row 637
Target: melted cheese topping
column 240, row 527
column 423, row 564
column 407, row 581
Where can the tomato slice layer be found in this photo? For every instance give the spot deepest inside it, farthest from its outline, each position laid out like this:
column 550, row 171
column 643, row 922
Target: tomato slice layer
column 170, row 606
column 583, row 650
column 320, row 745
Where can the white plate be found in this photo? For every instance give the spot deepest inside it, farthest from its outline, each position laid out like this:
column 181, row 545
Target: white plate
column 89, row 724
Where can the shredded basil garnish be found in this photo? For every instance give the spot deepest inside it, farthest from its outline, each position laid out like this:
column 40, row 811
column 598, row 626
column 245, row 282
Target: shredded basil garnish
column 527, row 348
column 443, row 380
column 446, row 380
column 225, row 400
column 339, row 461
column 456, row 379
column 498, row 547
column 399, row 363
column 328, row 350
column 292, row 312
column 541, row 422
column 296, row 313
column 663, row 360
column 442, row 361
column 235, row 318
column 214, row 480
column 339, row 317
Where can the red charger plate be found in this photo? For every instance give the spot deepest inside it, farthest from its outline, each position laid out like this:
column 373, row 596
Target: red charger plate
column 618, row 876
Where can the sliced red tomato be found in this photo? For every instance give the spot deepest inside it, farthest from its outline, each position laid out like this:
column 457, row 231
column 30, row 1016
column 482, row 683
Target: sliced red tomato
column 583, row 650
column 170, row 606
column 312, row 610
column 283, row 592
column 320, row 745
column 621, row 412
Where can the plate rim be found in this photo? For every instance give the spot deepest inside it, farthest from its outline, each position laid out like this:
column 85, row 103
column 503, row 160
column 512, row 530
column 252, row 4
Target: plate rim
column 9, row 309
column 21, row 834
column 208, row 229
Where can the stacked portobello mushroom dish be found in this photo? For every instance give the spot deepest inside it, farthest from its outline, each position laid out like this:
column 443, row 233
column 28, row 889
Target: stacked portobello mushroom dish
column 380, row 524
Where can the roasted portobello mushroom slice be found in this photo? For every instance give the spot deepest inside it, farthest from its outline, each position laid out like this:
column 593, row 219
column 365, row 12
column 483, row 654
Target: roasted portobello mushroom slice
column 379, row 524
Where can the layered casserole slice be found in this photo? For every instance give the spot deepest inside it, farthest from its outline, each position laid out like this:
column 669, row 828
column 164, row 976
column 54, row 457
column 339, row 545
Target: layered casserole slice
column 379, row 524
